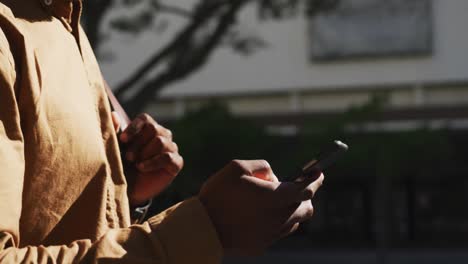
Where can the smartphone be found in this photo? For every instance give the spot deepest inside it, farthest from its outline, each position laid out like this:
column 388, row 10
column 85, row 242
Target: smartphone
column 328, row 156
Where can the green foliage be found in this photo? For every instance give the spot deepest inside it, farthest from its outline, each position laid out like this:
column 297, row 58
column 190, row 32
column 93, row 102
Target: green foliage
column 414, row 153
column 211, row 137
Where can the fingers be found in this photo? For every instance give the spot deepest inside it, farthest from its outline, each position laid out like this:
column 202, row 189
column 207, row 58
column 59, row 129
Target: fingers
column 297, row 201
column 153, row 154
column 139, row 140
column 307, row 180
column 146, row 138
column 290, row 193
column 168, row 161
column 132, row 129
column 156, row 146
column 252, row 166
column 116, row 121
column 284, row 194
column 291, row 218
column 289, row 229
column 139, row 123
column 299, row 214
column 263, row 171
column 304, row 212
column 309, row 192
column 260, row 169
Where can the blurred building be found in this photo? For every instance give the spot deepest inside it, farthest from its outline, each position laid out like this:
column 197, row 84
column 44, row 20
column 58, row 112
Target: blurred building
column 414, row 52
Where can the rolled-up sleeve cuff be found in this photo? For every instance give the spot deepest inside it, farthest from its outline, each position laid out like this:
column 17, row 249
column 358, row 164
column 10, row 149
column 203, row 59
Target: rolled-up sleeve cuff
column 187, row 234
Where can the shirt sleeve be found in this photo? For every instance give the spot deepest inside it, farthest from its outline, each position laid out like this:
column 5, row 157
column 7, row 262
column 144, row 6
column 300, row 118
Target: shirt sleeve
column 182, row 234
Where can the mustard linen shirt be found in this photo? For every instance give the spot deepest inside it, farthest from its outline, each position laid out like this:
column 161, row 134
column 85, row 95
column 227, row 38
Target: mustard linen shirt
column 63, row 194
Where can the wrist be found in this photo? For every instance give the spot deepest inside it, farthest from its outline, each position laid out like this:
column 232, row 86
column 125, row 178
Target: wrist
column 138, row 212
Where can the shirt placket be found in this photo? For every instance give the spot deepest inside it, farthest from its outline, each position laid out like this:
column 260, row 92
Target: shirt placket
column 69, row 13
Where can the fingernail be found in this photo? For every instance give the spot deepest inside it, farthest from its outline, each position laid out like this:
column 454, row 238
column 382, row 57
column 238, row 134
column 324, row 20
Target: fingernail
column 131, row 130
column 130, row 156
column 138, row 125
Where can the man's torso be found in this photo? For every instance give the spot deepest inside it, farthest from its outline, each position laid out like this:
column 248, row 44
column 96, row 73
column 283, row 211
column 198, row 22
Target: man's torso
column 74, row 187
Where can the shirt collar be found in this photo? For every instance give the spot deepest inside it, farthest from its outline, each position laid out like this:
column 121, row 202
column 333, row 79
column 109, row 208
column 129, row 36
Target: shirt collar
column 65, row 10
column 60, row 8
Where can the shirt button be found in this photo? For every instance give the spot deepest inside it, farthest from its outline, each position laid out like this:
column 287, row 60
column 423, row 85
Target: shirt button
column 48, row 2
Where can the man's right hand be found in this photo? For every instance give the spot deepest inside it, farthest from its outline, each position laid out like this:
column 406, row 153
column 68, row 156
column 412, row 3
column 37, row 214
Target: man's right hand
column 251, row 209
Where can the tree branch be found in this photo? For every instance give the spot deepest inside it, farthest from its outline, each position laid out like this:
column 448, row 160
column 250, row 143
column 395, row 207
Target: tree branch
column 175, row 10
column 203, row 15
column 185, row 64
column 187, row 52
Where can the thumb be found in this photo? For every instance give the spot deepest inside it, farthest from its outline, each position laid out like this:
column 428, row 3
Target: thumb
column 289, row 193
column 116, row 121
column 260, row 169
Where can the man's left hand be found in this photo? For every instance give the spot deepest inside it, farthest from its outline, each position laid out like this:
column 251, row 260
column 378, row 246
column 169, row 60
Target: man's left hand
column 155, row 157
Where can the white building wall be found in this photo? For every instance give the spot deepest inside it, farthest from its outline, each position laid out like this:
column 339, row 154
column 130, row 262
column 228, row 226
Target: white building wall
column 285, row 63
